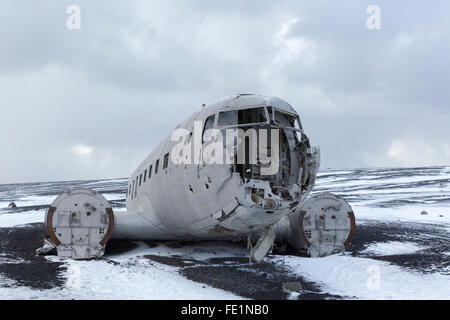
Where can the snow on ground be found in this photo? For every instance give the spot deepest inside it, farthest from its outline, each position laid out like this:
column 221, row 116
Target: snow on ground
column 377, row 195
column 392, row 248
column 435, row 214
column 362, row 278
column 8, row 220
column 392, row 194
column 124, row 276
column 4, row 259
column 29, row 201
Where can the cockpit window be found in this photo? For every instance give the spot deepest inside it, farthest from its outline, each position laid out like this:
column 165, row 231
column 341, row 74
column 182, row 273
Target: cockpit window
column 289, row 121
column 209, row 124
column 285, row 119
column 227, row 118
column 242, row 117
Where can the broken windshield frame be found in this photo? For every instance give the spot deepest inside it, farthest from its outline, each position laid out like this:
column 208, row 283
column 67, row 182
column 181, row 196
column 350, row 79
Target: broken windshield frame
column 273, row 117
column 295, row 126
column 243, row 117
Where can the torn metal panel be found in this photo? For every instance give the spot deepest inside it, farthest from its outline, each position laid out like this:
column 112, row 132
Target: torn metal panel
column 263, row 246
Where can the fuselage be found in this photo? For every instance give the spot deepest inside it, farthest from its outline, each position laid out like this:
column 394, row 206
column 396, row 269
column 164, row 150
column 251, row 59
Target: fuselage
column 240, row 168
column 183, row 191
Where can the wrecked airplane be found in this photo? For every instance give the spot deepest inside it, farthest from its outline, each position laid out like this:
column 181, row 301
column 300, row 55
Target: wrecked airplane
column 241, row 168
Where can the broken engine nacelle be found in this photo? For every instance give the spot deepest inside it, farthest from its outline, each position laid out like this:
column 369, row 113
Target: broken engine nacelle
column 79, row 223
column 323, row 225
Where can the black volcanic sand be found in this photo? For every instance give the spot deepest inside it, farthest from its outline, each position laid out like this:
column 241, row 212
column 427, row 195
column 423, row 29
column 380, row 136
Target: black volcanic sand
column 263, row 280
column 258, row 281
column 434, row 239
column 119, row 246
column 30, row 270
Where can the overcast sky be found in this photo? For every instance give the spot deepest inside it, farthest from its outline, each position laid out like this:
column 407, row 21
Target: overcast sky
column 92, row 103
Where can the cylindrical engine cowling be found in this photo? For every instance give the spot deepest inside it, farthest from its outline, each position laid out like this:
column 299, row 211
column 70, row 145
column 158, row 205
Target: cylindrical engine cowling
column 324, row 224
column 80, row 223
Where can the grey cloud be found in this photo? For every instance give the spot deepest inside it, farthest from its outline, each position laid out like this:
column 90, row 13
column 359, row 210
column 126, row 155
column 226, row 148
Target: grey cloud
column 136, row 69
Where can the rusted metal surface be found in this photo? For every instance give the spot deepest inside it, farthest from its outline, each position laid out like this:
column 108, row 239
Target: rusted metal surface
column 50, row 230
column 301, row 230
column 110, row 213
column 351, row 216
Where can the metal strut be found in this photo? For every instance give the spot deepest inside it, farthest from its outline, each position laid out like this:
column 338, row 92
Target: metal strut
column 263, row 246
column 249, row 246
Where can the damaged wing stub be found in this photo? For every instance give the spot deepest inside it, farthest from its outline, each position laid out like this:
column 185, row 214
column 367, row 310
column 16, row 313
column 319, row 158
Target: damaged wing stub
column 79, row 223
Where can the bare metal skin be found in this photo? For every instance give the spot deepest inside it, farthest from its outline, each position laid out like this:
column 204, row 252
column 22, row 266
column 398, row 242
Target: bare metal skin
column 230, row 200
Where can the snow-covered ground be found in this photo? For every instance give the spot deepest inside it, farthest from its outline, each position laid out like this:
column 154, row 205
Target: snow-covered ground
column 124, row 276
column 399, row 251
column 392, row 248
column 363, row 278
column 392, row 194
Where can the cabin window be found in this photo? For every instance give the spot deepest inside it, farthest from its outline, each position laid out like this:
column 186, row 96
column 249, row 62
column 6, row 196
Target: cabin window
column 136, row 188
column 156, row 166
column 145, row 175
column 150, row 172
column 166, row 161
column 242, row 117
column 209, row 124
column 132, row 191
column 140, row 179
